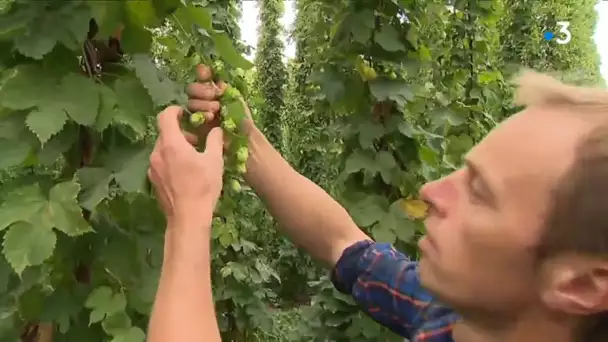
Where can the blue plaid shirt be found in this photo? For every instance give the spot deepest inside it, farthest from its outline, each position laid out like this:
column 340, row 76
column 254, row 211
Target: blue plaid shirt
column 385, row 284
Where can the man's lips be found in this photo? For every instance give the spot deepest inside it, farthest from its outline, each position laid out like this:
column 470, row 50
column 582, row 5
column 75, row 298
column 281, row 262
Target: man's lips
column 426, row 244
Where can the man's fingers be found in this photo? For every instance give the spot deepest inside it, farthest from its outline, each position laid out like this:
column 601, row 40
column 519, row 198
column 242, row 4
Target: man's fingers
column 195, row 105
column 221, row 87
column 203, row 91
column 203, row 73
column 192, row 138
column 168, row 123
column 215, row 141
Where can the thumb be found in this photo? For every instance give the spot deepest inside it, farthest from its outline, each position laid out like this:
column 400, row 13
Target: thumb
column 215, row 141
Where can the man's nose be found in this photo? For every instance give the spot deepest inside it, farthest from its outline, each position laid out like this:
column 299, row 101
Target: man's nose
column 439, row 195
column 426, row 194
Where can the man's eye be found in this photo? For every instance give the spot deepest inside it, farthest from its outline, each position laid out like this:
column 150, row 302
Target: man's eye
column 475, row 188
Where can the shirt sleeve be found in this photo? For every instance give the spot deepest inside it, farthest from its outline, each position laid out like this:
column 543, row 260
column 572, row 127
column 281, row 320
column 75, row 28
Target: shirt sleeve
column 384, row 283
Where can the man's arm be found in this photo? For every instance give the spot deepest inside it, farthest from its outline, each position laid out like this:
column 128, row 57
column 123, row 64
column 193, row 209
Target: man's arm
column 385, row 284
column 184, row 309
column 381, row 280
column 308, row 215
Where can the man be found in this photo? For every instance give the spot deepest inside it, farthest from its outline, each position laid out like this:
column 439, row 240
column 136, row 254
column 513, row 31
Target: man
column 517, row 239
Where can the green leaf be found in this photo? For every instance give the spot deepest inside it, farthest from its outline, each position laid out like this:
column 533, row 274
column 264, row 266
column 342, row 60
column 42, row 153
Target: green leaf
column 394, row 224
column 386, row 164
column 388, row 39
column 363, row 25
column 424, row 53
column 61, row 210
column 135, row 38
column 167, row 7
column 133, row 100
column 104, row 303
column 489, row 76
column 142, row 296
column 13, row 153
column 116, row 324
column 12, row 124
column 142, row 12
column 107, row 108
column 79, row 97
column 46, row 122
column 236, row 111
column 27, row 245
column 119, row 257
column 67, row 25
column 369, row 211
column 17, row 22
column 58, row 144
column 226, row 49
column 383, row 235
column 39, row 40
column 369, row 131
column 25, row 203
column 62, row 305
column 75, row 25
column 108, row 15
column 134, row 334
column 28, row 86
column 189, row 16
column 64, row 210
column 161, row 89
column 130, row 167
column 396, row 90
column 5, row 274
column 359, row 160
column 95, row 186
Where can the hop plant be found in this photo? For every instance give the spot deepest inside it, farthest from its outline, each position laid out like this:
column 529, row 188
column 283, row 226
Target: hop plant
column 235, row 185
column 242, row 154
column 232, row 113
column 229, row 125
column 197, row 119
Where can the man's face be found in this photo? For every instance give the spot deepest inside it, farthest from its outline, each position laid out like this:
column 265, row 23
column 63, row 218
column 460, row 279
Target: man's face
column 487, row 217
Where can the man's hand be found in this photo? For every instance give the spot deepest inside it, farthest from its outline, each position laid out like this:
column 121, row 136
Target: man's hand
column 188, row 184
column 203, row 96
column 185, row 180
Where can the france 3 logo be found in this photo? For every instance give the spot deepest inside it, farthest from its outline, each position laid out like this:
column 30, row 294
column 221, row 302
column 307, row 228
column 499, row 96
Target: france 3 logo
column 563, row 34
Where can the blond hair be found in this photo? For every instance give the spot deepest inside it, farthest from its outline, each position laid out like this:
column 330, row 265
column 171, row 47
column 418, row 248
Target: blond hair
column 577, row 221
column 535, row 89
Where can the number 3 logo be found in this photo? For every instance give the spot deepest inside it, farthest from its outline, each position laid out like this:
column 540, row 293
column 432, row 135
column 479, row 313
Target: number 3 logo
column 563, row 28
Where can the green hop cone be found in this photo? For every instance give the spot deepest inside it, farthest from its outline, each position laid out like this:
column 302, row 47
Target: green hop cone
column 218, row 66
column 229, row 125
column 231, row 93
column 241, row 168
column 217, row 222
column 223, row 110
column 235, row 185
column 242, row 154
column 197, row 119
column 196, row 60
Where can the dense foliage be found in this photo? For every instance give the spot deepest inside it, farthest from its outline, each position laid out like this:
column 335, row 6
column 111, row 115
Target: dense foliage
column 382, row 96
column 271, row 75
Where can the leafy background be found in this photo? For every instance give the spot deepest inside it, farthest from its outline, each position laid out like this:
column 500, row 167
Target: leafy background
column 379, row 97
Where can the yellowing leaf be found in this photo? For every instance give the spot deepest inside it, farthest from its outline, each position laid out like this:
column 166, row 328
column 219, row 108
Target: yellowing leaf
column 416, row 209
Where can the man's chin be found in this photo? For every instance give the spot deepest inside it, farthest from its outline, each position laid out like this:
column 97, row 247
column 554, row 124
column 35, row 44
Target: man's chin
column 425, row 273
column 434, row 285
column 427, row 276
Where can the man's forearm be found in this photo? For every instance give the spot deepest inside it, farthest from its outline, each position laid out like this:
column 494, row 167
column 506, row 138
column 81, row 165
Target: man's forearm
column 308, row 215
column 184, row 309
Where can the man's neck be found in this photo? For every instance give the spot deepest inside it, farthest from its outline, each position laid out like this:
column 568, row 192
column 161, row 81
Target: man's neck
column 525, row 329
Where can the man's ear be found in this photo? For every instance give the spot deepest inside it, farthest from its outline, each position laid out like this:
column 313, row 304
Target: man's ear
column 576, row 286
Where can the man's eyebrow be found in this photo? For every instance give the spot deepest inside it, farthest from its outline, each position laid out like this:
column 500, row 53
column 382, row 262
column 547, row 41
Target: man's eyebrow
column 483, row 180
